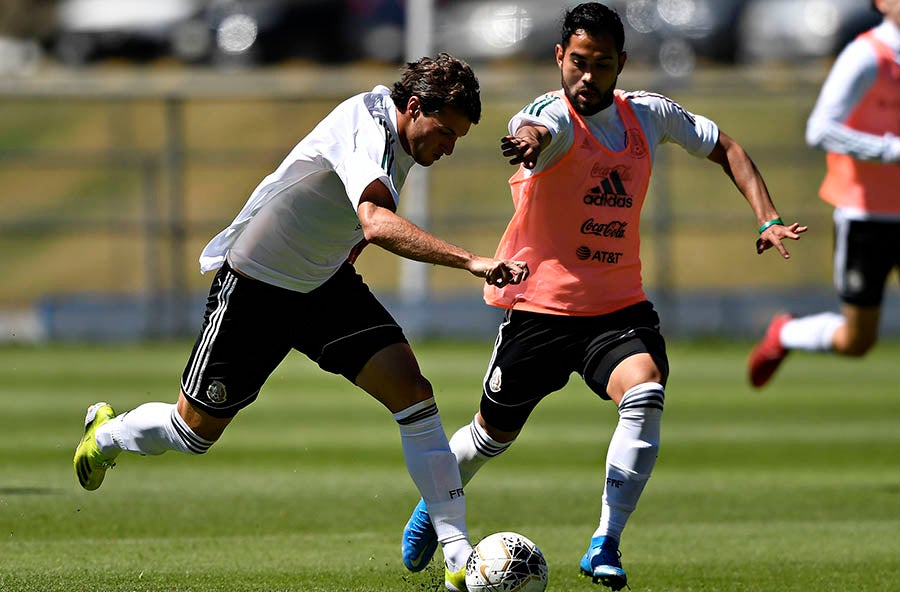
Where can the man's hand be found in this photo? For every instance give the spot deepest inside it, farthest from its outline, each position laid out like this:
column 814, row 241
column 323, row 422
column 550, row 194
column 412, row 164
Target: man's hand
column 774, row 235
column 525, row 146
column 499, row 272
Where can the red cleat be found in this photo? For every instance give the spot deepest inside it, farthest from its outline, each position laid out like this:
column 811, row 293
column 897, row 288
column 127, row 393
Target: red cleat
column 768, row 353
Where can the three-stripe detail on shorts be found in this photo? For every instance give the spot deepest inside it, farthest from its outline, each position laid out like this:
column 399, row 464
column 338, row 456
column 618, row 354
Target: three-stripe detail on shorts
column 198, row 366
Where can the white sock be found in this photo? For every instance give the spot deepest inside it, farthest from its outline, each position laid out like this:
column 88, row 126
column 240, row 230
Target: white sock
column 433, row 469
column 150, row 429
column 473, row 447
column 632, row 454
column 813, row 333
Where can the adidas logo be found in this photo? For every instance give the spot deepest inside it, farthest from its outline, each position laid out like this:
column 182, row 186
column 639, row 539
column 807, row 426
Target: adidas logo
column 610, row 193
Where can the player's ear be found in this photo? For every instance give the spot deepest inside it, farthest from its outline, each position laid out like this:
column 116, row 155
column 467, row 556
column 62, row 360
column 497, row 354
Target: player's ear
column 623, row 57
column 414, row 106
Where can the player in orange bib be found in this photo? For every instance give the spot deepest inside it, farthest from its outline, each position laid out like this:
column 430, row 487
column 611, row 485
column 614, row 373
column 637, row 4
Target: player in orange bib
column 585, row 155
column 856, row 120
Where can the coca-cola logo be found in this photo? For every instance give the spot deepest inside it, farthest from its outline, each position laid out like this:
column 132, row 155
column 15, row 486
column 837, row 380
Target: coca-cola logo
column 611, row 229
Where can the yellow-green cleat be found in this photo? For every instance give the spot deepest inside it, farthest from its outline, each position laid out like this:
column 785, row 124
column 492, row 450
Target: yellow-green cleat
column 90, row 464
column 455, row 581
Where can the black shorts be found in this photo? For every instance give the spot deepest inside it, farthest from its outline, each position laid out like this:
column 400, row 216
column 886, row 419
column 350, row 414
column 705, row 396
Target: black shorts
column 250, row 326
column 535, row 354
column 865, row 252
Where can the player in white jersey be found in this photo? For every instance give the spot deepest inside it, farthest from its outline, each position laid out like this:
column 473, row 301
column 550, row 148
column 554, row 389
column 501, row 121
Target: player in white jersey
column 286, row 281
column 586, row 153
column 856, row 120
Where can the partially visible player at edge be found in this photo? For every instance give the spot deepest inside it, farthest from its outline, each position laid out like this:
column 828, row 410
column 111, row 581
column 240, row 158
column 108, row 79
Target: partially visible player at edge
column 856, row 120
column 286, row 281
column 584, row 154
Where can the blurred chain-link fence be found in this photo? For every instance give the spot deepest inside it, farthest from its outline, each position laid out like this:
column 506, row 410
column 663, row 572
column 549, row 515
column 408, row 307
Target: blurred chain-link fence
column 114, row 180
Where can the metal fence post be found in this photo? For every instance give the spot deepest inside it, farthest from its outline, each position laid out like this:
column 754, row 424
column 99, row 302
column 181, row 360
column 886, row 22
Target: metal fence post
column 153, row 299
column 179, row 322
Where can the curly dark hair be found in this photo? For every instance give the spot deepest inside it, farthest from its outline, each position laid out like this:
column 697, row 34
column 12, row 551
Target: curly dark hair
column 595, row 19
column 442, row 81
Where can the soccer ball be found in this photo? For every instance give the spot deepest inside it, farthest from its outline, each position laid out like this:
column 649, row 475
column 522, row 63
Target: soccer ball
column 506, row 562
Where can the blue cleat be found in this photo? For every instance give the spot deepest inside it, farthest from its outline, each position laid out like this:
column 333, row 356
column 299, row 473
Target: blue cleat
column 419, row 539
column 601, row 563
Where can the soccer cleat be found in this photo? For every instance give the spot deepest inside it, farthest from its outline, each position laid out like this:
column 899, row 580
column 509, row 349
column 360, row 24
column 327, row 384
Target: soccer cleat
column 455, row 581
column 419, row 540
column 601, row 563
column 90, row 464
column 768, row 353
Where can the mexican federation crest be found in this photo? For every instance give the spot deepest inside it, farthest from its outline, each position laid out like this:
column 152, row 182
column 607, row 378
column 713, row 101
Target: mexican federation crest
column 216, row 392
column 496, row 380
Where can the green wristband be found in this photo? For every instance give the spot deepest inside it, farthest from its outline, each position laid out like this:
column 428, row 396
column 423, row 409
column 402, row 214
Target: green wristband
column 770, row 223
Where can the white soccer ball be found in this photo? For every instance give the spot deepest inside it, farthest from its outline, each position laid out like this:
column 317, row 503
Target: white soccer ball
column 506, row 562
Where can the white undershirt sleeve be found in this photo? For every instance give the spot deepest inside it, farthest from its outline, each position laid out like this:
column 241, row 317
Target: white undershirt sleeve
column 853, row 73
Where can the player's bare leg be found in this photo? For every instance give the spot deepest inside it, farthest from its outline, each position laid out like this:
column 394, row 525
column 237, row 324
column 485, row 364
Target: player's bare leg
column 200, row 422
column 859, row 332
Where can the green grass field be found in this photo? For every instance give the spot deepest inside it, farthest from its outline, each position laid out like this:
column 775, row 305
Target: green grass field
column 795, row 488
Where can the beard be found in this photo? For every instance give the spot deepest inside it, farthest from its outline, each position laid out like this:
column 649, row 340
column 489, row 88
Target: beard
column 593, row 103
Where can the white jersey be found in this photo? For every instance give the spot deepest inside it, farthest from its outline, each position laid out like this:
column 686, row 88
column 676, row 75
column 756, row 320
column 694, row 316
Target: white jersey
column 850, row 78
column 300, row 223
column 854, row 71
column 662, row 119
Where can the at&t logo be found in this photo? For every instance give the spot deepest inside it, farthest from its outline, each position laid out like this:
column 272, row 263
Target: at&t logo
column 585, row 253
